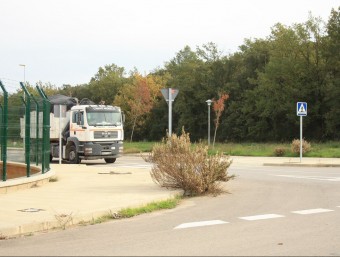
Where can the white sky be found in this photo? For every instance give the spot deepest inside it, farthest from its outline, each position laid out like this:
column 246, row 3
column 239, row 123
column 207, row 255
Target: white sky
column 66, row 41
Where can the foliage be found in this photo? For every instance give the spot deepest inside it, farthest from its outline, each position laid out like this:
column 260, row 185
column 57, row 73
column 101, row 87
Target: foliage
column 218, row 108
column 279, row 151
column 329, row 149
column 150, row 207
column 265, row 77
column 178, row 165
column 138, row 98
column 295, row 146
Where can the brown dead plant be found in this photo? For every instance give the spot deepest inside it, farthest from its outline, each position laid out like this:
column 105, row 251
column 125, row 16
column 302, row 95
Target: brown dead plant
column 179, row 165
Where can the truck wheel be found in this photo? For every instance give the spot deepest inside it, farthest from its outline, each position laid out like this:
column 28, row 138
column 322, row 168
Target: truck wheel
column 111, row 160
column 73, row 155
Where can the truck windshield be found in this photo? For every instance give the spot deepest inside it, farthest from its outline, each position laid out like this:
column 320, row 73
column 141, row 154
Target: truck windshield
column 103, row 118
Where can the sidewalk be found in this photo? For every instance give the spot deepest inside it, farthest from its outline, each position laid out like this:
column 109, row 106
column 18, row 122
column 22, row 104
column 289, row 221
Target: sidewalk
column 86, row 192
column 82, row 193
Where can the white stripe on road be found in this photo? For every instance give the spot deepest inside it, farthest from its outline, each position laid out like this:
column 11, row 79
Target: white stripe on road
column 262, row 217
column 201, row 224
column 335, row 179
column 312, row 211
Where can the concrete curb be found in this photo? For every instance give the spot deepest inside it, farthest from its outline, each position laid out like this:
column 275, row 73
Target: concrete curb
column 65, row 221
column 302, row 164
column 13, row 185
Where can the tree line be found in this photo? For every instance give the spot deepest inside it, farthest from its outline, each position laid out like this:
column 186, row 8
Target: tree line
column 264, row 80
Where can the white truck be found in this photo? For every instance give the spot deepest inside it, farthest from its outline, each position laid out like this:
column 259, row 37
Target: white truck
column 85, row 131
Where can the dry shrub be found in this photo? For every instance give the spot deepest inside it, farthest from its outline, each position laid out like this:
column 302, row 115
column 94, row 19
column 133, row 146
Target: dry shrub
column 295, row 146
column 177, row 164
column 279, row 151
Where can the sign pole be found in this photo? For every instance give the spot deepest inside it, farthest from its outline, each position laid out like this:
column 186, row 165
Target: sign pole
column 300, row 138
column 208, row 125
column 301, row 110
column 169, row 96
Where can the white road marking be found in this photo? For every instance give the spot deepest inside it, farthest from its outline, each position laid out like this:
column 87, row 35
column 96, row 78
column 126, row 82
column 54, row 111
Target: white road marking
column 312, row 211
column 201, row 224
column 262, row 217
column 322, row 178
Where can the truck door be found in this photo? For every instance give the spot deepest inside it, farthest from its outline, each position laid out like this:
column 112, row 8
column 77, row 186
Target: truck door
column 77, row 128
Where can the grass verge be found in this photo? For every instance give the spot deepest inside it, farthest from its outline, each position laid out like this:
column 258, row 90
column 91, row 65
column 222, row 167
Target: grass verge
column 134, row 211
column 150, row 207
column 322, row 150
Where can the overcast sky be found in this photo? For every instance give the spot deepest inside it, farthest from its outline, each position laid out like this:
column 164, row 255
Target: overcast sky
column 66, row 41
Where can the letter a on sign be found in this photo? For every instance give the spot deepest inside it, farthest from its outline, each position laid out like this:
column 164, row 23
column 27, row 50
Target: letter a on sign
column 301, row 109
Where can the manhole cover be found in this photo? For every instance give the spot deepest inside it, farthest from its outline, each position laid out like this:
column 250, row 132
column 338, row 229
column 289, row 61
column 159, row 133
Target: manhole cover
column 31, row 210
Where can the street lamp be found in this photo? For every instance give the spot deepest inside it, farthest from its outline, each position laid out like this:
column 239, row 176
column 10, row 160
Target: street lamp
column 209, row 103
column 23, row 65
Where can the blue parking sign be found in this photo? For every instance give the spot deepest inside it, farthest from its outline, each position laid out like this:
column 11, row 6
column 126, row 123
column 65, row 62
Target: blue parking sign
column 301, row 109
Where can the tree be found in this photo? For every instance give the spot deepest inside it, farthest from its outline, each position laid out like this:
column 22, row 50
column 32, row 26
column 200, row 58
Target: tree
column 139, row 97
column 331, row 55
column 218, row 109
column 105, row 85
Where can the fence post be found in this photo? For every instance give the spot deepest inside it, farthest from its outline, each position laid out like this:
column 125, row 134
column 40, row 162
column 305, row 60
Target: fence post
column 27, row 129
column 36, row 131
column 1, row 128
column 4, row 128
column 46, row 131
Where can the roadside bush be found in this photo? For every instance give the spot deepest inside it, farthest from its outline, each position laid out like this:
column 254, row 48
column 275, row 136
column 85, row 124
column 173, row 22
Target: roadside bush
column 177, row 164
column 295, row 146
column 279, row 151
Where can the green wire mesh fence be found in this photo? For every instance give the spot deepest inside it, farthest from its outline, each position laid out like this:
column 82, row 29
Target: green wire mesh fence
column 24, row 130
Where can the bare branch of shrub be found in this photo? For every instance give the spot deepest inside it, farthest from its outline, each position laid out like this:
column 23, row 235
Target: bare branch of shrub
column 179, row 165
column 295, row 146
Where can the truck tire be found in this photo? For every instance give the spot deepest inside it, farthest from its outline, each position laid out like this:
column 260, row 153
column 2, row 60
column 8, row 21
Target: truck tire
column 73, row 155
column 110, row 160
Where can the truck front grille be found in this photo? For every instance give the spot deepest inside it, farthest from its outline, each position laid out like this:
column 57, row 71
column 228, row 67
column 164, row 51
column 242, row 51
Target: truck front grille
column 105, row 134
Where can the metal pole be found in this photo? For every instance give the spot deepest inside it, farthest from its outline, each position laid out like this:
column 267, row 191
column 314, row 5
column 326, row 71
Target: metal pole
column 208, row 125
column 27, row 129
column 60, row 134
column 36, row 131
column 4, row 126
column 170, row 113
column 300, row 138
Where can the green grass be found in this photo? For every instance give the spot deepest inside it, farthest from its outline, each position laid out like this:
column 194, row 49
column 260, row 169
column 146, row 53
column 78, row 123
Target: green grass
column 137, row 147
column 131, row 212
column 326, row 150
column 150, row 207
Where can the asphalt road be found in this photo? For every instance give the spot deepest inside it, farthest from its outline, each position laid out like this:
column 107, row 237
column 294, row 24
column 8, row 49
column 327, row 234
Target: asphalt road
column 268, row 211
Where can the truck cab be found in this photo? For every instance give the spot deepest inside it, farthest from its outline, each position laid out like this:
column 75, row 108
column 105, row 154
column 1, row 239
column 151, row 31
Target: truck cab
column 94, row 132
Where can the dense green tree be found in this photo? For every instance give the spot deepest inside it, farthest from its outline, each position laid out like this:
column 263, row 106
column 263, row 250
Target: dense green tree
column 264, row 78
column 106, row 83
column 331, row 56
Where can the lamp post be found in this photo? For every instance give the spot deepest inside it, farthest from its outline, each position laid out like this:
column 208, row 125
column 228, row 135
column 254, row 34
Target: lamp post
column 209, row 103
column 24, row 65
